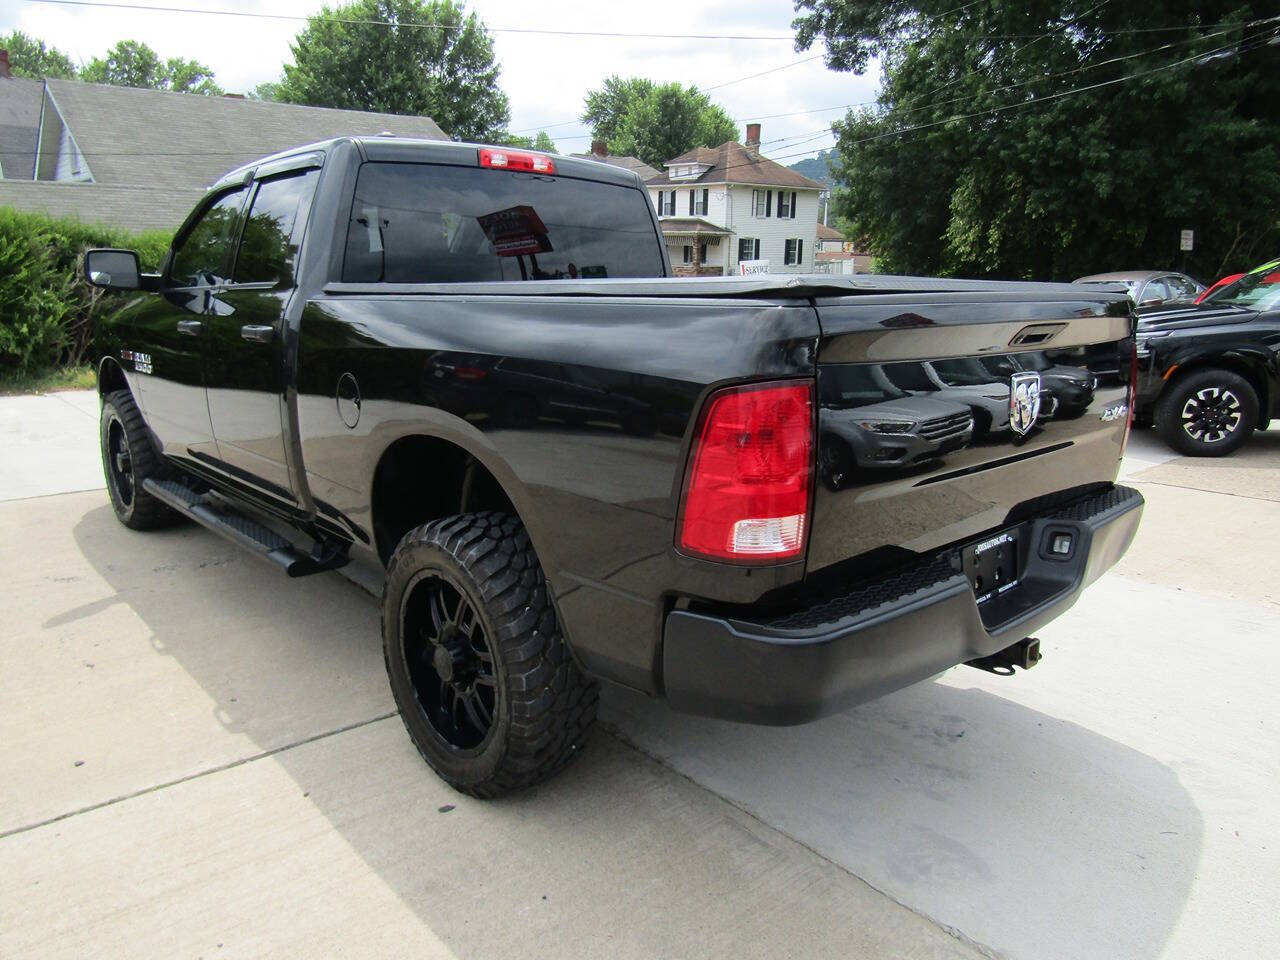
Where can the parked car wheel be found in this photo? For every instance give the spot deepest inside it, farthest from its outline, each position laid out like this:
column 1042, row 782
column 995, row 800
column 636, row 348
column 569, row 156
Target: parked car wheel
column 479, row 668
column 128, row 458
column 1208, row 413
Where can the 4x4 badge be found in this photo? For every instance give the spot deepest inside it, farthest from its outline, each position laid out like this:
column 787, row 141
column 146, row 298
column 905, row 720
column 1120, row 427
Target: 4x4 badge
column 1024, row 401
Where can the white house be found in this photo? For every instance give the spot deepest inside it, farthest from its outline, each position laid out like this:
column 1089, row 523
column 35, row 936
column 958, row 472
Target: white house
column 720, row 206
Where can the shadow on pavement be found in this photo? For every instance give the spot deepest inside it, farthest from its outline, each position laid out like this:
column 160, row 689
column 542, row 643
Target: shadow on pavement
column 1034, row 836
column 1029, row 834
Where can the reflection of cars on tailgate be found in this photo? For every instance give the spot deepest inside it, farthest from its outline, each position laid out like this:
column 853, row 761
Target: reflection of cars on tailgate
column 899, row 430
column 1065, row 391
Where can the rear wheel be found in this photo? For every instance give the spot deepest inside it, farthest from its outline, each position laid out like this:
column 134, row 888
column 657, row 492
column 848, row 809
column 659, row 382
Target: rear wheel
column 1208, row 413
column 478, row 666
column 129, row 458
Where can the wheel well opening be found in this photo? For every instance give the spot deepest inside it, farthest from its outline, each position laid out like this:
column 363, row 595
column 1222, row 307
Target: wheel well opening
column 110, row 377
column 1255, row 380
column 420, row 479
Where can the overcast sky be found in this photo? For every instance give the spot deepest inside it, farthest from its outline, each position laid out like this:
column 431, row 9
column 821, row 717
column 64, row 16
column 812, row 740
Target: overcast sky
column 545, row 77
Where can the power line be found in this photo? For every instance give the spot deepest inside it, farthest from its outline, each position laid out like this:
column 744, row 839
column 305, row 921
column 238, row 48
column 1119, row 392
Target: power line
column 1084, row 68
column 1061, row 94
column 728, row 83
column 156, row 8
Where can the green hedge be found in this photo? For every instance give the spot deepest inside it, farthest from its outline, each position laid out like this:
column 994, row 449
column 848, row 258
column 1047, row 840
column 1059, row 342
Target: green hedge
column 48, row 312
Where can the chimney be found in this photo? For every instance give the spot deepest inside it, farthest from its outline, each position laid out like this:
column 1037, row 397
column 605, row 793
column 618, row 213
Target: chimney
column 5, row 72
column 753, row 140
column 599, row 148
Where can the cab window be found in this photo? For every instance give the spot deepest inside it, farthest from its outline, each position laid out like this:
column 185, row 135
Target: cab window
column 268, row 243
column 205, row 251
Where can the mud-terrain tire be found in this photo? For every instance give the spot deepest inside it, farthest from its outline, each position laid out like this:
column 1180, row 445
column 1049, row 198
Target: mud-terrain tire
column 1209, row 413
column 128, row 458
column 479, row 668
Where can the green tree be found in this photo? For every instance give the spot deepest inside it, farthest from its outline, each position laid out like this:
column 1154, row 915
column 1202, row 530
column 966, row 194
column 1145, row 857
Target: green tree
column 131, row 63
column 606, row 107
column 655, row 123
column 542, row 142
column 422, row 57
column 265, row 91
column 29, row 57
column 1047, row 140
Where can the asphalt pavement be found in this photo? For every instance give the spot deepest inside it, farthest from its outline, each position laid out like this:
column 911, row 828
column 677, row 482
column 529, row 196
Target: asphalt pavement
column 201, row 758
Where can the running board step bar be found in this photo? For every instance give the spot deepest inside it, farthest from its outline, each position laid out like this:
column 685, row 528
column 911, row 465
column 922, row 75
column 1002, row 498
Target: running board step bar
column 240, row 530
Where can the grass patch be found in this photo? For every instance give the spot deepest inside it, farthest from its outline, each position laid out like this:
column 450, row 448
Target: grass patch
column 48, row 381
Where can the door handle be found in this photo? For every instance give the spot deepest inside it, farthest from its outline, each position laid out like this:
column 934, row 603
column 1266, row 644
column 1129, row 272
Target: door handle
column 258, row 333
column 191, row 328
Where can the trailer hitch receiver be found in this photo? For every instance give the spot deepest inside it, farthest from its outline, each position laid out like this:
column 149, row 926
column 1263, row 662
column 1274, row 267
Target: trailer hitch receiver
column 1024, row 654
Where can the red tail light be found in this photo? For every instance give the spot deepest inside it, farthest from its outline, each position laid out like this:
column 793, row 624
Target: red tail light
column 747, row 495
column 516, row 160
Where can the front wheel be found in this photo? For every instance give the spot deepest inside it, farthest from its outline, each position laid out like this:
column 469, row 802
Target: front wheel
column 1209, row 413
column 128, row 458
column 482, row 675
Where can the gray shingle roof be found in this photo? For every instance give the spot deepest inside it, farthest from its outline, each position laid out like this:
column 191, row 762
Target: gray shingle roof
column 182, row 141
column 19, row 121
column 126, row 207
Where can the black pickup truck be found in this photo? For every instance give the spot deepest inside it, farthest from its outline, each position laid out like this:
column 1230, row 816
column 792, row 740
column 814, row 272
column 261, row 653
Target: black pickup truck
column 1209, row 373
column 470, row 370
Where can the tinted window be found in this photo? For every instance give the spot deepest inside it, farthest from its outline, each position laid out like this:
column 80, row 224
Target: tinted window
column 206, row 250
column 266, row 250
column 421, row 223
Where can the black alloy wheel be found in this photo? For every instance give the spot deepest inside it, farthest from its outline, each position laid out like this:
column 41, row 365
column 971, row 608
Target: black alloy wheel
column 449, row 661
column 1211, row 415
column 1207, row 413
column 119, row 463
column 129, row 458
column 487, row 687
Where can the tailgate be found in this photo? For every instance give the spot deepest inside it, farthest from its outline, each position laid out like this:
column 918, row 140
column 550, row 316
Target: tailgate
column 945, row 417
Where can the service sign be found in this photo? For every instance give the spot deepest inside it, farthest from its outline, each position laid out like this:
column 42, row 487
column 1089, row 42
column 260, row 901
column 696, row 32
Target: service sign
column 515, row 231
column 749, row 267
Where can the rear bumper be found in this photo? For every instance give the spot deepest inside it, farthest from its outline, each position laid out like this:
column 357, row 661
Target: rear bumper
column 883, row 635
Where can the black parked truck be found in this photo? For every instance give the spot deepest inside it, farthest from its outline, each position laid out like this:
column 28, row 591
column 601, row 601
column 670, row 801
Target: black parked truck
column 1209, row 373
column 469, row 369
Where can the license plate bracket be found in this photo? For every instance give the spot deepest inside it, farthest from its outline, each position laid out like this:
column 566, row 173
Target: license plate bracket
column 992, row 564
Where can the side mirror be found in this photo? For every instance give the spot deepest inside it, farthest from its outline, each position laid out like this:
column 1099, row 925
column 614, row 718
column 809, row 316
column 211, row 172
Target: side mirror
column 1153, row 302
column 113, row 269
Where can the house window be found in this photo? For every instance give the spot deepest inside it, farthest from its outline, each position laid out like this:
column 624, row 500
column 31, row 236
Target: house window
column 786, row 205
column 666, row 203
column 702, row 253
column 748, row 249
column 698, row 202
column 793, row 253
column 688, row 253
column 762, row 202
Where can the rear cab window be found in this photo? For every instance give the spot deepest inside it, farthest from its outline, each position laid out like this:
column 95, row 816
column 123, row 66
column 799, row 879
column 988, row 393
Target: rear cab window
column 433, row 223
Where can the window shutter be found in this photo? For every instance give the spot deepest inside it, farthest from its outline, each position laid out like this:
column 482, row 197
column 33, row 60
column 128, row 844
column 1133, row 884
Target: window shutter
column 768, row 203
column 793, row 204
column 756, row 251
column 799, row 251
column 661, row 208
column 691, row 193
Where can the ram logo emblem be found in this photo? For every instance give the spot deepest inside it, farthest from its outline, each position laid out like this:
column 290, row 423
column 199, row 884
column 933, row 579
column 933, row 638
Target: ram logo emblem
column 1024, row 402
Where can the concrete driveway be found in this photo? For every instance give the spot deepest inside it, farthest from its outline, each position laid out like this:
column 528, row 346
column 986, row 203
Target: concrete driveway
column 201, row 759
